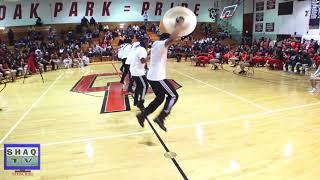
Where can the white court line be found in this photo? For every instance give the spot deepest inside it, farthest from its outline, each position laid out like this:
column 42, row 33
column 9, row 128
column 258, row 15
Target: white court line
column 207, row 123
column 224, row 91
column 34, row 104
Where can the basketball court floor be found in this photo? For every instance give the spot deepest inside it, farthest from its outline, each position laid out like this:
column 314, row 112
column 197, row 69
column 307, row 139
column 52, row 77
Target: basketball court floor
column 224, row 126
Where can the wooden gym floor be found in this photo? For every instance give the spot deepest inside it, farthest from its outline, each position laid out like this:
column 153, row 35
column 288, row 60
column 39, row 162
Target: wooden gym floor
column 224, row 126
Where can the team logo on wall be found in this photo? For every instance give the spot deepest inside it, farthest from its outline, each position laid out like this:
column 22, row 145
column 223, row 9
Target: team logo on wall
column 213, row 14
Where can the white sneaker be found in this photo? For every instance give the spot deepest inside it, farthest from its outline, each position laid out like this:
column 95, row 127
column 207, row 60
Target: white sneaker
column 124, row 87
column 313, row 90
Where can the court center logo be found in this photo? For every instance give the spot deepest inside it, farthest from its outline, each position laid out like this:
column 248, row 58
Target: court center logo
column 115, row 98
column 22, row 158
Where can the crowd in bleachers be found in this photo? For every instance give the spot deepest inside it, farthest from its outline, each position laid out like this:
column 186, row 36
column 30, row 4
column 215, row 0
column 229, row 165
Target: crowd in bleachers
column 42, row 52
column 37, row 52
column 155, row 28
column 291, row 55
column 207, row 50
column 202, row 51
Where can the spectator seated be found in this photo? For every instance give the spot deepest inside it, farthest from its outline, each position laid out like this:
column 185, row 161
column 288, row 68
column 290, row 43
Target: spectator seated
column 7, row 73
column 204, row 59
column 216, row 60
column 227, row 56
column 259, row 59
column 314, row 79
column 235, row 58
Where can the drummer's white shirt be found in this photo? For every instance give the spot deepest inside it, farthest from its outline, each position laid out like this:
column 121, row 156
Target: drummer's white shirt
column 158, row 60
column 130, row 54
column 126, row 50
column 136, row 67
column 120, row 50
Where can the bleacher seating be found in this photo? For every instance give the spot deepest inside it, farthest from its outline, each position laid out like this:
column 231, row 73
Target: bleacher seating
column 23, row 32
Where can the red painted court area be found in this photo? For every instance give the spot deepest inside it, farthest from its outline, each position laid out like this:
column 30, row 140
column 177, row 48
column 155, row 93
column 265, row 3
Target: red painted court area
column 84, row 85
column 115, row 99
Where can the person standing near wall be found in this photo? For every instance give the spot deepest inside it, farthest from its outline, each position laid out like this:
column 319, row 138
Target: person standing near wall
column 10, row 36
column 126, row 67
column 145, row 18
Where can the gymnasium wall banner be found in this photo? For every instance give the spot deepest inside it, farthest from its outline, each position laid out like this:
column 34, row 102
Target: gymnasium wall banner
column 271, row 4
column 260, row 6
column 270, row 27
column 259, row 27
column 25, row 12
column 314, row 13
column 259, row 16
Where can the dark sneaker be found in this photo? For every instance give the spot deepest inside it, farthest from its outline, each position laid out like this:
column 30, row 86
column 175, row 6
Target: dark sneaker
column 215, row 67
column 141, row 119
column 140, row 105
column 242, row 72
column 160, row 122
column 130, row 90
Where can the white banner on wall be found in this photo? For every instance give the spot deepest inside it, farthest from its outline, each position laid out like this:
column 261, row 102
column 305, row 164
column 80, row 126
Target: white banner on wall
column 24, row 12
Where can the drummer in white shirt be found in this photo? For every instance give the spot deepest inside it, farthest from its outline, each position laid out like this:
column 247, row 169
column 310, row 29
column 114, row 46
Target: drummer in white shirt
column 156, row 76
column 138, row 71
column 127, row 64
column 124, row 55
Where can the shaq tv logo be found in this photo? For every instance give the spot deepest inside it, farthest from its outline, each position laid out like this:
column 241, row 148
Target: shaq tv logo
column 213, row 14
column 22, row 157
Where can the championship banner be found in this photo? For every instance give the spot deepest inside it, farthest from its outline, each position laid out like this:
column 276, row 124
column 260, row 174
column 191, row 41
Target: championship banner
column 260, row 6
column 259, row 16
column 314, row 13
column 25, row 12
column 270, row 27
column 259, row 27
column 271, row 4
